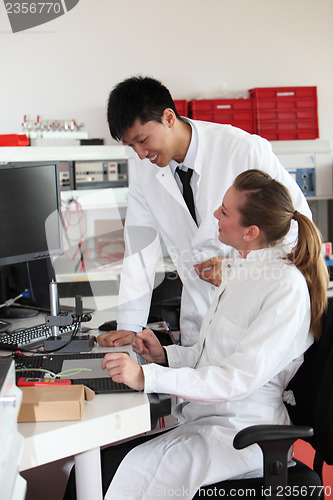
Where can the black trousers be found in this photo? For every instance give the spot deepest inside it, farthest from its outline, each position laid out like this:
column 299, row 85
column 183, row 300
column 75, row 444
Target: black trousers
column 111, row 458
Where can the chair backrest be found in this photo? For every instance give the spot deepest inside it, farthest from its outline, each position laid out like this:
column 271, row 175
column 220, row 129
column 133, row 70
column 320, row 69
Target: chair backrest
column 312, row 386
column 165, row 301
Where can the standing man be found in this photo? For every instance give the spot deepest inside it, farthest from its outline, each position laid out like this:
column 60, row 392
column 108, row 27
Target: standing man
column 178, row 159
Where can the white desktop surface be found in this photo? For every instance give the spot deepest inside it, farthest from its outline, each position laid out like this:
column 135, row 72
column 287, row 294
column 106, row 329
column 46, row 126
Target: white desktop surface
column 108, row 418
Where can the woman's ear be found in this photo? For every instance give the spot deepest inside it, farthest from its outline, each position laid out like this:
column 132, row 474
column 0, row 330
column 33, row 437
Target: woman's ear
column 252, row 233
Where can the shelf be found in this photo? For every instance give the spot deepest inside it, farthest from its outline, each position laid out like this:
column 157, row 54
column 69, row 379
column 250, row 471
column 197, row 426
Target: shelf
column 57, row 135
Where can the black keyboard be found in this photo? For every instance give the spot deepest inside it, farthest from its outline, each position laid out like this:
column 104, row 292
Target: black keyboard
column 29, row 366
column 30, row 338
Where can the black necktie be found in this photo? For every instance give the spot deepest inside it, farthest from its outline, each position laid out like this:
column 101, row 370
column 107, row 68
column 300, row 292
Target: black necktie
column 185, row 178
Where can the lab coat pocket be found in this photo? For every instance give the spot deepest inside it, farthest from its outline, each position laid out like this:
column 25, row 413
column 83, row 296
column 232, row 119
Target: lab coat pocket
column 224, row 337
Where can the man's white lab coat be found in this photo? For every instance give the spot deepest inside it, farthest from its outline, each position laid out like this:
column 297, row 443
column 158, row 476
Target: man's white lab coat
column 251, row 344
column 156, row 209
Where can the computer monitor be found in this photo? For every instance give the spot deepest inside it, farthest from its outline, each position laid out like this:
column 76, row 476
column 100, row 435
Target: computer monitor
column 30, row 224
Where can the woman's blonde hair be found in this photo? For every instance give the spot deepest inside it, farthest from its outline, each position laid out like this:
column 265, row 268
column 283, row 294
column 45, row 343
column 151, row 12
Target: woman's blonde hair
column 267, row 204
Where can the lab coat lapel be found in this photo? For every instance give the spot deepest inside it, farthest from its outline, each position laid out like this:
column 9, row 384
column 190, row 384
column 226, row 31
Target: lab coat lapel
column 199, row 167
column 167, row 180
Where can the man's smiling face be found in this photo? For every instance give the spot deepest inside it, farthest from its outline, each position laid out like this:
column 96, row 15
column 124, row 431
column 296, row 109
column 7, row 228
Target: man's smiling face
column 152, row 140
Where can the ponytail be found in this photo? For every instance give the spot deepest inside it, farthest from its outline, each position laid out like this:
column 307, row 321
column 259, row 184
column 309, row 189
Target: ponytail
column 307, row 257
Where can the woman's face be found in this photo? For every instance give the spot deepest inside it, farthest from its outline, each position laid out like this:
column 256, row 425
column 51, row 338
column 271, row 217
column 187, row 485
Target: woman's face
column 231, row 232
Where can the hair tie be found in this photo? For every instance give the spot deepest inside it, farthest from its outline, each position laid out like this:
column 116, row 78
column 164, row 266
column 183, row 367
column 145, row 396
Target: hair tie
column 295, row 216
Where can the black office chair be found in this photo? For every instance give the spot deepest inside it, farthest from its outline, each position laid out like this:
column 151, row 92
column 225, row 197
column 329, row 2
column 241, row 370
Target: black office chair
column 312, row 415
column 165, row 301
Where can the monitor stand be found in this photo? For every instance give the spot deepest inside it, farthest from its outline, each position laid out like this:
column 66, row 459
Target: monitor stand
column 16, row 312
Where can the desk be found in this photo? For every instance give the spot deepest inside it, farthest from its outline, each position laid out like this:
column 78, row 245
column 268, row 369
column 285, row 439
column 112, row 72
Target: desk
column 108, row 418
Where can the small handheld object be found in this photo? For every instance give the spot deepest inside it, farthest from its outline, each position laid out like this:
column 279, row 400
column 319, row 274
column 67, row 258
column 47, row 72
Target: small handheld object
column 159, row 326
column 33, row 382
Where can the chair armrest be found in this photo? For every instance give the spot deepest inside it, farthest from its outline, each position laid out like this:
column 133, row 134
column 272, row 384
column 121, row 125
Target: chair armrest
column 263, row 433
column 160, row 406
column 275, row 442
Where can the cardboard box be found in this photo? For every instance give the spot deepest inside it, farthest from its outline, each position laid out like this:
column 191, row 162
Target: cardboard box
column 54, row 403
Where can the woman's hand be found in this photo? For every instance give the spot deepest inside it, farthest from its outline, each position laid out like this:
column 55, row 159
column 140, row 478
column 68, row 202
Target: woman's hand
column 210, row 270
column 147, row 344
column 123, row 369
column 115, row 338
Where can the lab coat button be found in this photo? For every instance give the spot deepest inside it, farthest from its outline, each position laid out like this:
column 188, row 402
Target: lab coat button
column 212, row 287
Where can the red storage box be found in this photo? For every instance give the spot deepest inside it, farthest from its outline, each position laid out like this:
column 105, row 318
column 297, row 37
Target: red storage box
column 14, row 140
column 237, row 112
column 286, row 113
column 181, row 107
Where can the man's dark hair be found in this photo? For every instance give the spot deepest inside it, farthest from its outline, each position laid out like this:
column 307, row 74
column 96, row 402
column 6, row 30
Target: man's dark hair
column 137, row 97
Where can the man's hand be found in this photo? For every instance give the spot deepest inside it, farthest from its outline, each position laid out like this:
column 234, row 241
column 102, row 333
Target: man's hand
column 210, row 270
column 148, row 345
column 116, row 338
column 124, row 370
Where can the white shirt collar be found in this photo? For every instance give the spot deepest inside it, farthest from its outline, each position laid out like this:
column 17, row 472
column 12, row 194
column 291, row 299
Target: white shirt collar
column 189, row 159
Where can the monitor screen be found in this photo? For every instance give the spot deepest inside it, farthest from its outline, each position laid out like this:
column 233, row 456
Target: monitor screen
column 30, row 212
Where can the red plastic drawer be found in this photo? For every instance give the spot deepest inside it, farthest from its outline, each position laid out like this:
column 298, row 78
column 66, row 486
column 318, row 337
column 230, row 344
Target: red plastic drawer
column 236, row 112
column 285, row 93
column 181, row 107
column 285, row 98
column 280, row 125
column 221, row 104
column 290, row 136
column 285, row 114
column 292, row 104
column 285, row 132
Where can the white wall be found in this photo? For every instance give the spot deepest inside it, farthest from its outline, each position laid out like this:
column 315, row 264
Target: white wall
column 199, row 48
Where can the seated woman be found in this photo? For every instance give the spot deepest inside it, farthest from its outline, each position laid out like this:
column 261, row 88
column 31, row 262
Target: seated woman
column 265, row 316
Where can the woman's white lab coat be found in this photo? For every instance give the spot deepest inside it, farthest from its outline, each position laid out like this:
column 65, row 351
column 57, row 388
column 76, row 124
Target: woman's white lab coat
column 156, row 208
column 251, row 343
